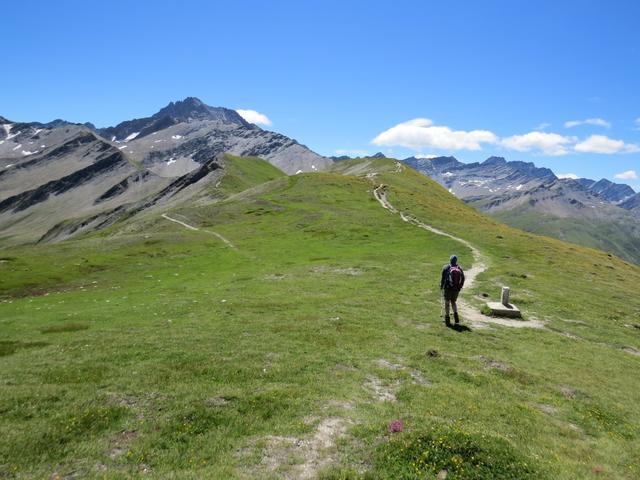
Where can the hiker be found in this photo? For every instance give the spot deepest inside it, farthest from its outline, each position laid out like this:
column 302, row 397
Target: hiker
column 451, row 283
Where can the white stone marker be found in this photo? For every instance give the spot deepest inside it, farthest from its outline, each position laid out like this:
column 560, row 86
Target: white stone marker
column 504, row 297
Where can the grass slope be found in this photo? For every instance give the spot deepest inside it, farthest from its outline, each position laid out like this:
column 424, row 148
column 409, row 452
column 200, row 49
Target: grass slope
column 156, row 351
column 618, row 236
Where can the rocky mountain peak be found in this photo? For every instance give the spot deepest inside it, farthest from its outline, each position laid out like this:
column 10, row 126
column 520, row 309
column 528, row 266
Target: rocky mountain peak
column 181, row 111
column 632, row 203
column 585, row 182
column 192, row 108
column 442, row 161
column 494, row 161
column 612, row 192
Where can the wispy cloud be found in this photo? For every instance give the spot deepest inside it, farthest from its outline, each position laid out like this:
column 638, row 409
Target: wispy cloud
column 252, row 116
column 598, row 122
column 542, row 126
column 604, row 144
column 421, row 133
column 551, row 144
column 572, row 176
column 628, row 175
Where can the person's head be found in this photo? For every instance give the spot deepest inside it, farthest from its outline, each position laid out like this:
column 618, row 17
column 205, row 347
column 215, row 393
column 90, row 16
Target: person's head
column 453, row 260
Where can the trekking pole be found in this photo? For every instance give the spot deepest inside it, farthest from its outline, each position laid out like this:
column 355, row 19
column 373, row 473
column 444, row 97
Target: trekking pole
column 441, row 303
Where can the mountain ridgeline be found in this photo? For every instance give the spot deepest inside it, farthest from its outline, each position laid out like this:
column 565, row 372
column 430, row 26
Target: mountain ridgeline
column 61, row 178
column 599, row 214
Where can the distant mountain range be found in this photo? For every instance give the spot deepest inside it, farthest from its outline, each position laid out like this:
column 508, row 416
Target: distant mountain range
column 59, row 179
column 60, row 173
column 600, row 214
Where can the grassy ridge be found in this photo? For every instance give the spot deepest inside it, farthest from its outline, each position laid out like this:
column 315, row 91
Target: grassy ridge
column 610, row 236
column 153, row 350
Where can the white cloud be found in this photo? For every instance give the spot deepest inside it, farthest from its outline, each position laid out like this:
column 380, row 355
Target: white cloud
column 572, row 176
column 628, row 175
column 598, row 122
column 542, row 126
column 423, row 156
column 604, row 144
column 548, row 143
column 252, row 116
column 352, row 153
column 421, row 133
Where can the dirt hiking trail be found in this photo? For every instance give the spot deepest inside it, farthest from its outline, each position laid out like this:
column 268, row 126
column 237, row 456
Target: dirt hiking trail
column 467, row 312
column 196, row 229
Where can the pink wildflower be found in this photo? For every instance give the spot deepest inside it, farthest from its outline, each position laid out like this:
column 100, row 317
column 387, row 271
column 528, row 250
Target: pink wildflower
column 395, row 426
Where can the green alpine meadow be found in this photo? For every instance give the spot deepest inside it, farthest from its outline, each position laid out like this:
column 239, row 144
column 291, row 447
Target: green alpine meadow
column 269, row 326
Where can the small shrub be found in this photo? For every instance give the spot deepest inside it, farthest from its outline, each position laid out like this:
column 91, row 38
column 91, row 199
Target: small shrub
column 485, row 310
column 463, row 455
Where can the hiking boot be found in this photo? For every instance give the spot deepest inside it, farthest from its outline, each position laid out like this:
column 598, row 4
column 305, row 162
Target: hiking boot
column 456, row 318
column 447, row 320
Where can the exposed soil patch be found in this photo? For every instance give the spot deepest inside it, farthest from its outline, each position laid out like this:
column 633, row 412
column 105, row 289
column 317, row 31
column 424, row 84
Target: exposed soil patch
column 548, row 409
column 344, row 404
column 120, row 443
column 275, row 276
column 382, row 363
column 352, row 271
column 421, row 326
column 491, row 364
column 307, row 456
column 137, row 405
column 632, row 351
column 416, row 376
column 343, row 367
column 569, row 320
column 570, row 335
column 571, row 393
column 218, row 401
column 381, row 391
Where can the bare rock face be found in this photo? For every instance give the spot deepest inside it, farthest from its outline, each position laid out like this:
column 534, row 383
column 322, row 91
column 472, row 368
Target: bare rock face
column 599, row 214
column 611, row 192
column 186, row 133
column 493, row 177
column 59, row 178
column 632, row 204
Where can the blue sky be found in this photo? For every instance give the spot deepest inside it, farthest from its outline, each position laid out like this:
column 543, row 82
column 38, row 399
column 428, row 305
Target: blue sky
column 471, row 79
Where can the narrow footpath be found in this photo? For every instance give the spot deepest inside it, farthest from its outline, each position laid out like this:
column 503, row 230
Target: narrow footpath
column 467, row 312
column 196, row 229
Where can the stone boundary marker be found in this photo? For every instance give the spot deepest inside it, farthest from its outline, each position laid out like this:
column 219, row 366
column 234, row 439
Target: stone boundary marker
column 503, row 308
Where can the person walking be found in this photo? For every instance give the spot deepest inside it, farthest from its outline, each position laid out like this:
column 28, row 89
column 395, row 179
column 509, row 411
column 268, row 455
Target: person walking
column 451, row 282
